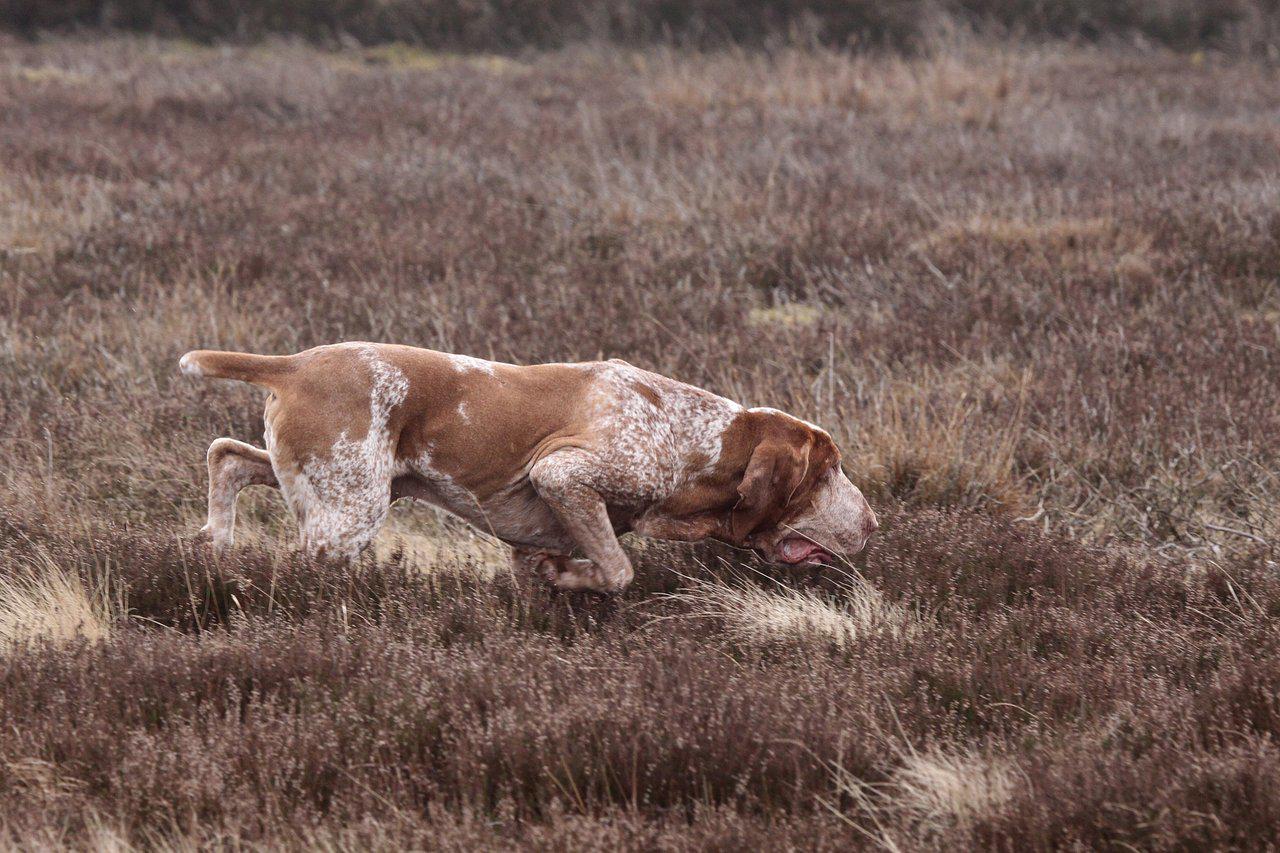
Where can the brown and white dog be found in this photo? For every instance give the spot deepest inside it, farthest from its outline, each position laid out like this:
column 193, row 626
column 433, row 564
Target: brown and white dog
column 554, row 459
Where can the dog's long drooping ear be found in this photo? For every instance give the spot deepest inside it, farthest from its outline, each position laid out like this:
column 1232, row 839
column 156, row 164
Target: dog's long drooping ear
column 788, row 459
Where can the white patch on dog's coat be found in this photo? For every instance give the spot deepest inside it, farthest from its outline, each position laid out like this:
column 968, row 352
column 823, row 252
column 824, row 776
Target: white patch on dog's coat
column 342, row 500
column 463, row 363
column 189, row 366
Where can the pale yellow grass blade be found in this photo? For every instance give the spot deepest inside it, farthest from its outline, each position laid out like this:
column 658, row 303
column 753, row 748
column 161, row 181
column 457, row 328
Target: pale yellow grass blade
column 754, row 616
column 45, row 601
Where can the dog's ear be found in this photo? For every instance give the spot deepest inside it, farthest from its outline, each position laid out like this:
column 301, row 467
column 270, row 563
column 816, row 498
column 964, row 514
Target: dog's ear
column 788, row 459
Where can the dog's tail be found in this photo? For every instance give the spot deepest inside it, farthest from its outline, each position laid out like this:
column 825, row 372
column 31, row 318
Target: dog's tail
column 264, row 370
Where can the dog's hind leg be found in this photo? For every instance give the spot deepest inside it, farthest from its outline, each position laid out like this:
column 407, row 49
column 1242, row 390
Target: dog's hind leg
column 232, row 466
column 340, row 502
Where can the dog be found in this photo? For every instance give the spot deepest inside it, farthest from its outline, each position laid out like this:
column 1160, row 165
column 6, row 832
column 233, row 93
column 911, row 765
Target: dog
column 556, row 460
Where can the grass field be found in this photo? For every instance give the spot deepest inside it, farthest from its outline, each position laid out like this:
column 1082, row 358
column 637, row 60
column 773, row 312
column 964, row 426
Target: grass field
column 1031, row 288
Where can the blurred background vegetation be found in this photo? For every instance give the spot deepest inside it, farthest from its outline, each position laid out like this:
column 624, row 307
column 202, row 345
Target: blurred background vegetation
column 509, row 25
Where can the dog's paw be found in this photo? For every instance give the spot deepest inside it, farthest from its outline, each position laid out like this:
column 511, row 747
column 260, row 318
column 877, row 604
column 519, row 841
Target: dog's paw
column 580, row 575
column 549, row 569
column 212, row 540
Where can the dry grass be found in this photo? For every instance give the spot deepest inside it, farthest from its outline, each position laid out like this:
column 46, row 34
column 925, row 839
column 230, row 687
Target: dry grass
column 39, row 218
column 435, row 544
column 44, row 602
column 945, row 789
column 760, row 617
column 918, row 440
column 1069, row 245
column 1029, row 286
column 931, row 797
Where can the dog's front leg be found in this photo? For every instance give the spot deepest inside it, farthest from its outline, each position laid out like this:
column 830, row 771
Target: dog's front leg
column 564, row 481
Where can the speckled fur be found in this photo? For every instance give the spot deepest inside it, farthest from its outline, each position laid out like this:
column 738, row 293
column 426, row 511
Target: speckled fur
column 652, row 448
column 341, row 500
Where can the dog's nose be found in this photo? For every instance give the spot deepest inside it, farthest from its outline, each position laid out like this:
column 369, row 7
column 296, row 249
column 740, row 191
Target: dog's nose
column 872, row 524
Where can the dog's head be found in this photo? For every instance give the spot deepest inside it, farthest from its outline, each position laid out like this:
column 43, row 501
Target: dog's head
column 795, row 505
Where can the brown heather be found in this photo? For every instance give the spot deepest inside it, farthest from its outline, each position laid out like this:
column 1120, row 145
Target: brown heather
column 1031, row 288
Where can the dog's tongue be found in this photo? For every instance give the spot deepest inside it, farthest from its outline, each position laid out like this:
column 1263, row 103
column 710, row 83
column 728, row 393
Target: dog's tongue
column 796, row 549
